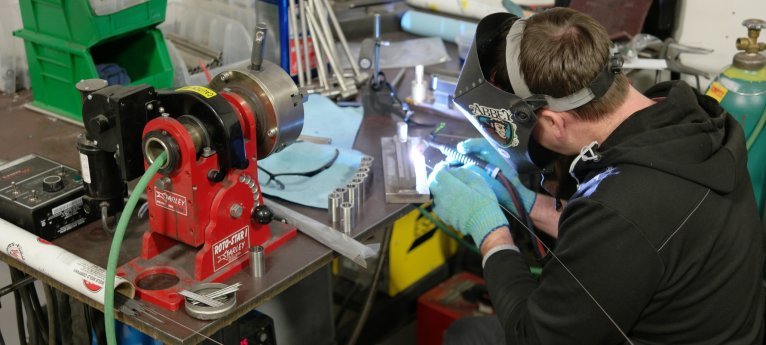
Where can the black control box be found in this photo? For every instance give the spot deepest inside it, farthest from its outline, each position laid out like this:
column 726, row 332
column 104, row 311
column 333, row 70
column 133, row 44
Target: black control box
column 254, row 328
column 42, row 196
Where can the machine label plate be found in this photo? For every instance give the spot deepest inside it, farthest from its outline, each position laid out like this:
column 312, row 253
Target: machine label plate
column 201, row 90
column 231, row 248
column 171, row 201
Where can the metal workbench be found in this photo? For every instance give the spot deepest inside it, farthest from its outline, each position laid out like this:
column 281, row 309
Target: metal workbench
column 23, row 132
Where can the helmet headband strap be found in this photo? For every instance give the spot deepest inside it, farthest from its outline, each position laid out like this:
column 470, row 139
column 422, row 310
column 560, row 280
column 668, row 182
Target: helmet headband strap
column 597, row 88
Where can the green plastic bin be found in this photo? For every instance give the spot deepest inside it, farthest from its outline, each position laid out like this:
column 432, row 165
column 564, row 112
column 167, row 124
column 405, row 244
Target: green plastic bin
column 75, row 21
column 55, row 66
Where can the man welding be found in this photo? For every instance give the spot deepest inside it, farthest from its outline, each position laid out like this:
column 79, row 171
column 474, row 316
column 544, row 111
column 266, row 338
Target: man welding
column 660, row 244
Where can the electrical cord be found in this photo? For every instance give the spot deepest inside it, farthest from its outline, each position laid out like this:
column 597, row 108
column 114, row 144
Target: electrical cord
column 88, row 323
column 373, row 288
column 38, row 309
column 19, row 316
column 399, row 108
column 50, row 309
column 34, row 324
column 114, row 250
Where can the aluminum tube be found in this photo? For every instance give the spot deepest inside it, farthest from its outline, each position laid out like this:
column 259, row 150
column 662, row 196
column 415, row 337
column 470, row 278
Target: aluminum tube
column 343, row 194
column 316, row 37
column 333, row 208
column 321, row 17
column 305, row 34
column 347, row 215
column 359, row 183
column 316, row 29
column 353, row 196
column 365, row 182
column 342, row 38
column 367, row 170
column 376, row 62
column 257, row 261
column 296, row 43
column 359, row 189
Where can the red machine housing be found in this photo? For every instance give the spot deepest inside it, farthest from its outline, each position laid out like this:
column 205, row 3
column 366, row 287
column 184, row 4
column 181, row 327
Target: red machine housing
column 191, row 215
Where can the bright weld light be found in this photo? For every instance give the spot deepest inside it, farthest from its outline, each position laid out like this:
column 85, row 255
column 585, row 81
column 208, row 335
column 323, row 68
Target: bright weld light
column 419, row 165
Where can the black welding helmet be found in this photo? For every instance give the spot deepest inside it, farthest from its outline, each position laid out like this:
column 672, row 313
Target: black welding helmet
column 506, row 117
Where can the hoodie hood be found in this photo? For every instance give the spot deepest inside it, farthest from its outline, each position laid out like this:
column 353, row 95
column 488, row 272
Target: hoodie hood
column 685, row 134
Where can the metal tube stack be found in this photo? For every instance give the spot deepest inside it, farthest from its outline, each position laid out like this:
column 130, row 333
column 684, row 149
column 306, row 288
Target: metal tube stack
column 316, row 19
column 346, row 204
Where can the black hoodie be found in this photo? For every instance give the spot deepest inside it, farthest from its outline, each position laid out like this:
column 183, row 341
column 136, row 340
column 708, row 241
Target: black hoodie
column 661, row 243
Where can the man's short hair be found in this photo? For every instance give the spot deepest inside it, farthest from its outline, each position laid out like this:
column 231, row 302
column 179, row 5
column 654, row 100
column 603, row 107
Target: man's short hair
column 561, row 52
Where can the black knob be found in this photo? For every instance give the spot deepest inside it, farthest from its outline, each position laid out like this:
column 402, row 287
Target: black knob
column 99, row 124
column 53, row 183
column 263, row 214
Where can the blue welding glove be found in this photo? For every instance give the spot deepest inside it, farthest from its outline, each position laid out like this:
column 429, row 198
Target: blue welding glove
column 465, row 201
column 480, row 148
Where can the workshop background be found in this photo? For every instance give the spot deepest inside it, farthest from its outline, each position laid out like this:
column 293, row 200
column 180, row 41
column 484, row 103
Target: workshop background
column 428, row 276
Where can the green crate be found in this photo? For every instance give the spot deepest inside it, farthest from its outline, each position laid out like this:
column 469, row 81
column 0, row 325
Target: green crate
column 55, row 66
column 75, row 21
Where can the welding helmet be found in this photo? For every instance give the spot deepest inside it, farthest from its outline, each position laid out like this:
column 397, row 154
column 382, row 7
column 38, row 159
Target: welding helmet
column 506, row 117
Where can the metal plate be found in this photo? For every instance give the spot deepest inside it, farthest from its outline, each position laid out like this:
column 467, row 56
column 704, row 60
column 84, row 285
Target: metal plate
column 404, row 172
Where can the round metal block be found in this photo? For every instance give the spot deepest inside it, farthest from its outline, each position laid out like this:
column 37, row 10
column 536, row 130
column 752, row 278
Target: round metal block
column 275, row 99
column 204, row 312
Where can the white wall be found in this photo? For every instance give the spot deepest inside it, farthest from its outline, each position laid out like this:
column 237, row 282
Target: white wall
column 715, row 24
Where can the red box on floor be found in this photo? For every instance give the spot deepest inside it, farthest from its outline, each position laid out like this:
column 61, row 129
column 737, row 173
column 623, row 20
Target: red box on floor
column 444, row 304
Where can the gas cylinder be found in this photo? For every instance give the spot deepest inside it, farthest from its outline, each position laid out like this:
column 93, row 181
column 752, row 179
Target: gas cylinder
column 741, row 90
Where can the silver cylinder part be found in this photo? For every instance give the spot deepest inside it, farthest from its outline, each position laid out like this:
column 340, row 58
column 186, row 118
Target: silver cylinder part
column 333, row 208
column 366, row 170
column 275, row 99
column 401, row 131
column 365, row 182
column 352, row 194
column 359, row 183
column 354, row 198
column 257, row 262
column 347, row 217
column 343, row 194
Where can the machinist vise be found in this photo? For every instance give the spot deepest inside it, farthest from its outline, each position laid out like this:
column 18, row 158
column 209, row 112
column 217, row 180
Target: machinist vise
column 202, row 204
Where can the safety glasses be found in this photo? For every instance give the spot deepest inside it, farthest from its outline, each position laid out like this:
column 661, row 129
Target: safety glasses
column 281, row 185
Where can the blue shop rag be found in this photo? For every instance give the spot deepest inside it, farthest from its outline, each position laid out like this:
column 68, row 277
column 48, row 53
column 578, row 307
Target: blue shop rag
column 322, row 118
column 306, row 156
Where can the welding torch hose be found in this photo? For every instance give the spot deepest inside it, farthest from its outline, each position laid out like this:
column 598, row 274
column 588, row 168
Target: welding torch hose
column 537, row 247
column 493, row 171
column 114, row 251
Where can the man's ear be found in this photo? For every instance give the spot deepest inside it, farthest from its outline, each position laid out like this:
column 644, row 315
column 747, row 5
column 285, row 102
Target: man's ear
column 554, row 122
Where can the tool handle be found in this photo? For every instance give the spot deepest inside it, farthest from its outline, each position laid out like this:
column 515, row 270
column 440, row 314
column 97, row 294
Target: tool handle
column 259, row 45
